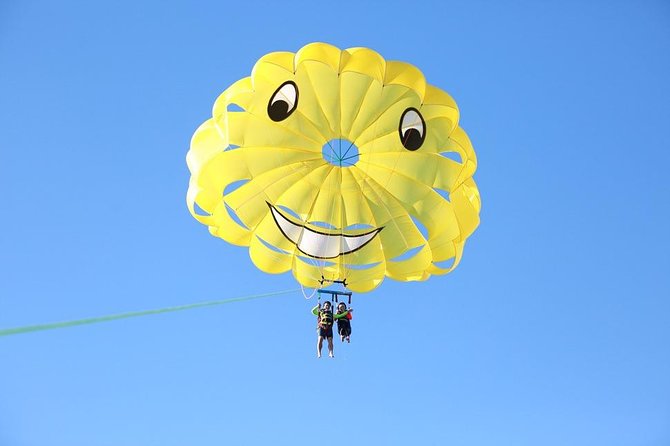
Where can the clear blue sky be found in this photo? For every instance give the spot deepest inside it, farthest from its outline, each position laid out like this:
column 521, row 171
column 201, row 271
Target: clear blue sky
column 554, row 330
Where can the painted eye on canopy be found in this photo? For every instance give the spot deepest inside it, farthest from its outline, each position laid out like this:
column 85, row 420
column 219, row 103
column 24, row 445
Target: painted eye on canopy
column 412, row 129
column 283, row 102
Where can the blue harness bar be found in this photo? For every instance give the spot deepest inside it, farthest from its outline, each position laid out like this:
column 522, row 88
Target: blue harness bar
column 334, row 294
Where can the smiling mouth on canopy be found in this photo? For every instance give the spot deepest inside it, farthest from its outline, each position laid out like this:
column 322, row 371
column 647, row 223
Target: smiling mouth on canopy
column 318, row 244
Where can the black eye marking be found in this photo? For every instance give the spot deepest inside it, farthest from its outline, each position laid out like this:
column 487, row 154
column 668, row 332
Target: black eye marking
column 412, row 129
column 283, row 101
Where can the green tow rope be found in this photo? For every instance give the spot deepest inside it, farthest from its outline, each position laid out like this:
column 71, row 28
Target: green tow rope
column 113, row 317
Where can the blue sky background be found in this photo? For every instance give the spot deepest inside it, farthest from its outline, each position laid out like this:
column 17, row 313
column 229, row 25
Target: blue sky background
column 554, row 330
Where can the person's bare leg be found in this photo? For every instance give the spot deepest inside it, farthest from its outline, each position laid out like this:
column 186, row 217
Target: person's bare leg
column 330, row 347
column 319, row 344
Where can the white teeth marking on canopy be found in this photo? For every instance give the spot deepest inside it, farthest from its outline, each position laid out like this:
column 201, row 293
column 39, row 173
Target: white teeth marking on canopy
column 320, row 245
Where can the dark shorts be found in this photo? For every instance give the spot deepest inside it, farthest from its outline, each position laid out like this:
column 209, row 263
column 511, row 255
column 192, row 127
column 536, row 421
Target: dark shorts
column 344, row 327
column 325, row 332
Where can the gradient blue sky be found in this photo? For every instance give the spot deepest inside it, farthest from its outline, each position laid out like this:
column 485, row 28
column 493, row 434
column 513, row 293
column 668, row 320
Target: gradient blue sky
column 554, row 330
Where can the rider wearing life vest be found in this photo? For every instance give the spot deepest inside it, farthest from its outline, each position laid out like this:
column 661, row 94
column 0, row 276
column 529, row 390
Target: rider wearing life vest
column 343, row 318
column 324, row 327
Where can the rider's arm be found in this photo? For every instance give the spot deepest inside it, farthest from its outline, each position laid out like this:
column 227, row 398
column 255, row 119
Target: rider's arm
column 341, row 315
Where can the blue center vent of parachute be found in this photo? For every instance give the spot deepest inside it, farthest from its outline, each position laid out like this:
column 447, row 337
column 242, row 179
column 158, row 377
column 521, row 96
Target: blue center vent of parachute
column 340, row 152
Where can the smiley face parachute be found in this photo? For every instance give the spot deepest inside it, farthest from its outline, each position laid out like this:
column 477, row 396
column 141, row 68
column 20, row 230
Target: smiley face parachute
column 336, row 165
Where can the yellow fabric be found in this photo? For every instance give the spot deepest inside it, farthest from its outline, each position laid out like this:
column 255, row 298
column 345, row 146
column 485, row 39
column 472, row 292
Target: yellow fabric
column 265, row 184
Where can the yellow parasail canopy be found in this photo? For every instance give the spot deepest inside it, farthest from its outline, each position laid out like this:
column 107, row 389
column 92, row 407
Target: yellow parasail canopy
column 336, row 165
